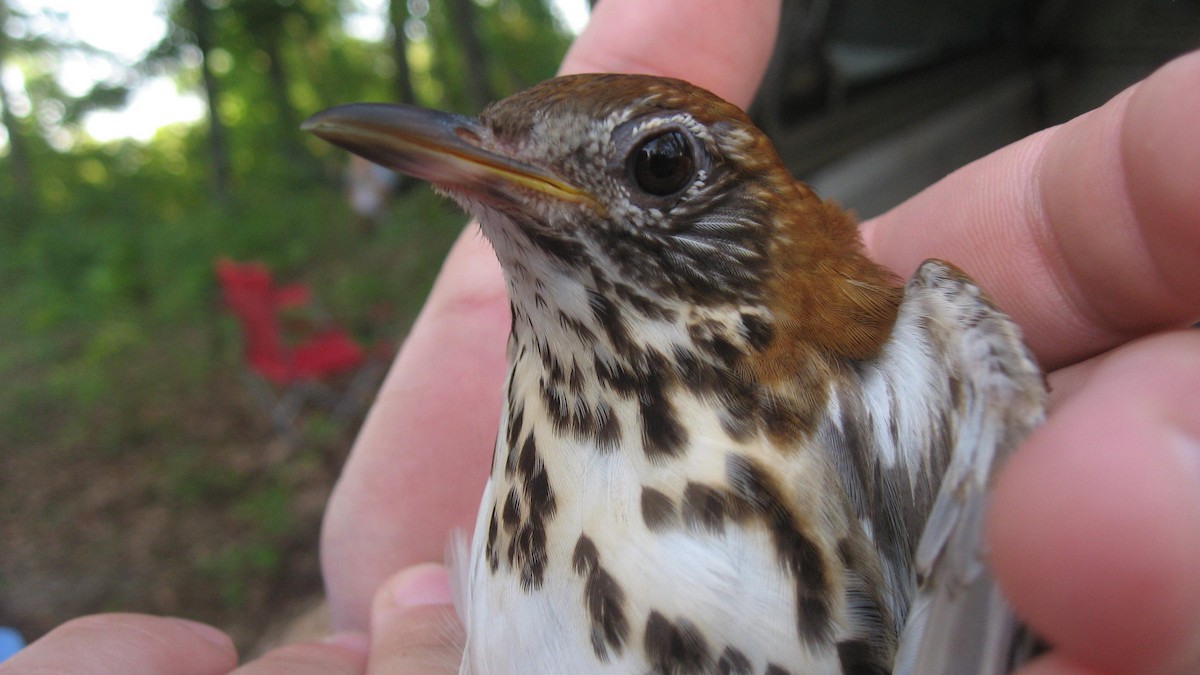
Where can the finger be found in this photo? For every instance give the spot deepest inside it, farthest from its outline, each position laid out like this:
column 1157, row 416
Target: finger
column 734, row 40
column 1095, row 529
column 132, row 644
column 1086, row 233
column 413, row 627
column 419, row 465
column 341, row 654
column 1055, row 664
column 420, row 461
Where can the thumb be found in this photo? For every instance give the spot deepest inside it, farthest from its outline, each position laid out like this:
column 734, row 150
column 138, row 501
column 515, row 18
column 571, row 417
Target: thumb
column 414, row 630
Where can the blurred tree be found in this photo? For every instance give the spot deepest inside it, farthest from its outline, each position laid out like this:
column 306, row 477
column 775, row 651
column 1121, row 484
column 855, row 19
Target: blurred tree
column 20, row 168
column 269, row 32
column 522, row 42
column 466, row 30
column 194, row 19
column 268, row 21
column 397, row 16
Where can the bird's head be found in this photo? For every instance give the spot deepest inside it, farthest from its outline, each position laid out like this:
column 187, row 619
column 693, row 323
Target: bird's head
column 651, row 184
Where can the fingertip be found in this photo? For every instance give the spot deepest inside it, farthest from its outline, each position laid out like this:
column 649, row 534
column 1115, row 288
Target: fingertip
column 419, row 585
column 1054, row 664
column 343, row 653
column 413, row 626
column 1160, row 149
column 210, row 634
column 349, row 640
column 132, row 644
column 1094, row 526
column 665, row 37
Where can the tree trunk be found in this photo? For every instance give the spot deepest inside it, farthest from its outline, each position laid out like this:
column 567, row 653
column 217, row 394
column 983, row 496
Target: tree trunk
column 398, row 14
column 462, row 19
column 218, row 148
column 19, row 165
column 277, row 76
column 288, row 127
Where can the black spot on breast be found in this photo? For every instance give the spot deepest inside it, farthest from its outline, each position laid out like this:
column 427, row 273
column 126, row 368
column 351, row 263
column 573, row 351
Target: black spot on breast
column 608, row 315
column 539, row 494
column 527, row 554
column 527, row 459
column 608, row 428
column 586, row 555
column 555, row 372
column 516, row 420
column 799, row 554
column 512, row 511
column 694, row 373
column 527, row 547
column 618, row 377
column 572, row 414
column 740, row 399
column 603, row 598
column 709, row 337
column 675, row 648
column 858, row 657
column 733, row 662
column 575, row 380
column 493, row 557
column 579, row 328
column 727, row 352
column 567, row 250
column 658, row 510
column 642, row 304
column 662, row 434
column 704, row 507
column 786, row 420
column 759, row 331
column 556, row 407
column 773, row 669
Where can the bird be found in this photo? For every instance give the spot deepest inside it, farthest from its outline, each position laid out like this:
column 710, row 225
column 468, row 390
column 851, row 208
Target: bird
column 730, row 442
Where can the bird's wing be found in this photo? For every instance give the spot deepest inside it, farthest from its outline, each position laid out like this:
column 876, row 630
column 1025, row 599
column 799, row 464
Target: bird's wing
column 959, row 622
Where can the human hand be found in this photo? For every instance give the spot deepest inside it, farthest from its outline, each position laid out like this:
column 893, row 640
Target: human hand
column 1087, row 234
column 412, row 633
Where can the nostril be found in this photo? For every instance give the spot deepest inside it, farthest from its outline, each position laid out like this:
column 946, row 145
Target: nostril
column 467, row 134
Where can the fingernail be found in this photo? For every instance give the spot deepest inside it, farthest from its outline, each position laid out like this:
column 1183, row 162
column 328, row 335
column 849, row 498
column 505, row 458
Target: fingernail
column 422, row 585
column 349, row 640
column 211, row 635
column 1187, row 449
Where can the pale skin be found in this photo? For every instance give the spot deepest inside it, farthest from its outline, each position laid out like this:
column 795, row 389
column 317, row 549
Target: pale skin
column 1088, row 234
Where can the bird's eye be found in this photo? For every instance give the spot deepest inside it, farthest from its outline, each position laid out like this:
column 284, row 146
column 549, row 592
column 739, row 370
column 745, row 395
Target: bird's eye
column 663, row 164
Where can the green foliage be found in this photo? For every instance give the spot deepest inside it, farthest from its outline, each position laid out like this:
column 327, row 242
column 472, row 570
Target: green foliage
column 238, row 568
column 114, row 346
column 520, row 36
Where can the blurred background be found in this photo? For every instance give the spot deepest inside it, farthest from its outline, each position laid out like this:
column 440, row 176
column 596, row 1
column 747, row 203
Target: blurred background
column 171, row 425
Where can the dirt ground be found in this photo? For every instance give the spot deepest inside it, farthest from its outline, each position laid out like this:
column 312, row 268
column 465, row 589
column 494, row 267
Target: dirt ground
column 221, row 527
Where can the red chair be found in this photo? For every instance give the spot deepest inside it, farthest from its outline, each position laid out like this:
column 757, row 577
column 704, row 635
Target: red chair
column 289, row 376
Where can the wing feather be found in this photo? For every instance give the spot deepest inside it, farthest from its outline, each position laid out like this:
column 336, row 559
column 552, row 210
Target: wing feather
column 959, row 621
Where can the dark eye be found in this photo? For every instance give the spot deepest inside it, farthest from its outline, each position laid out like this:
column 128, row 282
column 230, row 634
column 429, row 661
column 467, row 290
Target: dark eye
column 663, row 164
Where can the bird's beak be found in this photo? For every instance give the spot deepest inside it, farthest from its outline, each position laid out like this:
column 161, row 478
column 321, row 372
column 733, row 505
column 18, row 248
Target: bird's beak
column 442, row 148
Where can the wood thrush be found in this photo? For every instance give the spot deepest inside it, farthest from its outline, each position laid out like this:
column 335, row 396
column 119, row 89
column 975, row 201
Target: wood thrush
column 732, row 443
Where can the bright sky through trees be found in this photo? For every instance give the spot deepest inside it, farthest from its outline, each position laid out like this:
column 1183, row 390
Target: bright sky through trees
column 138, row 25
